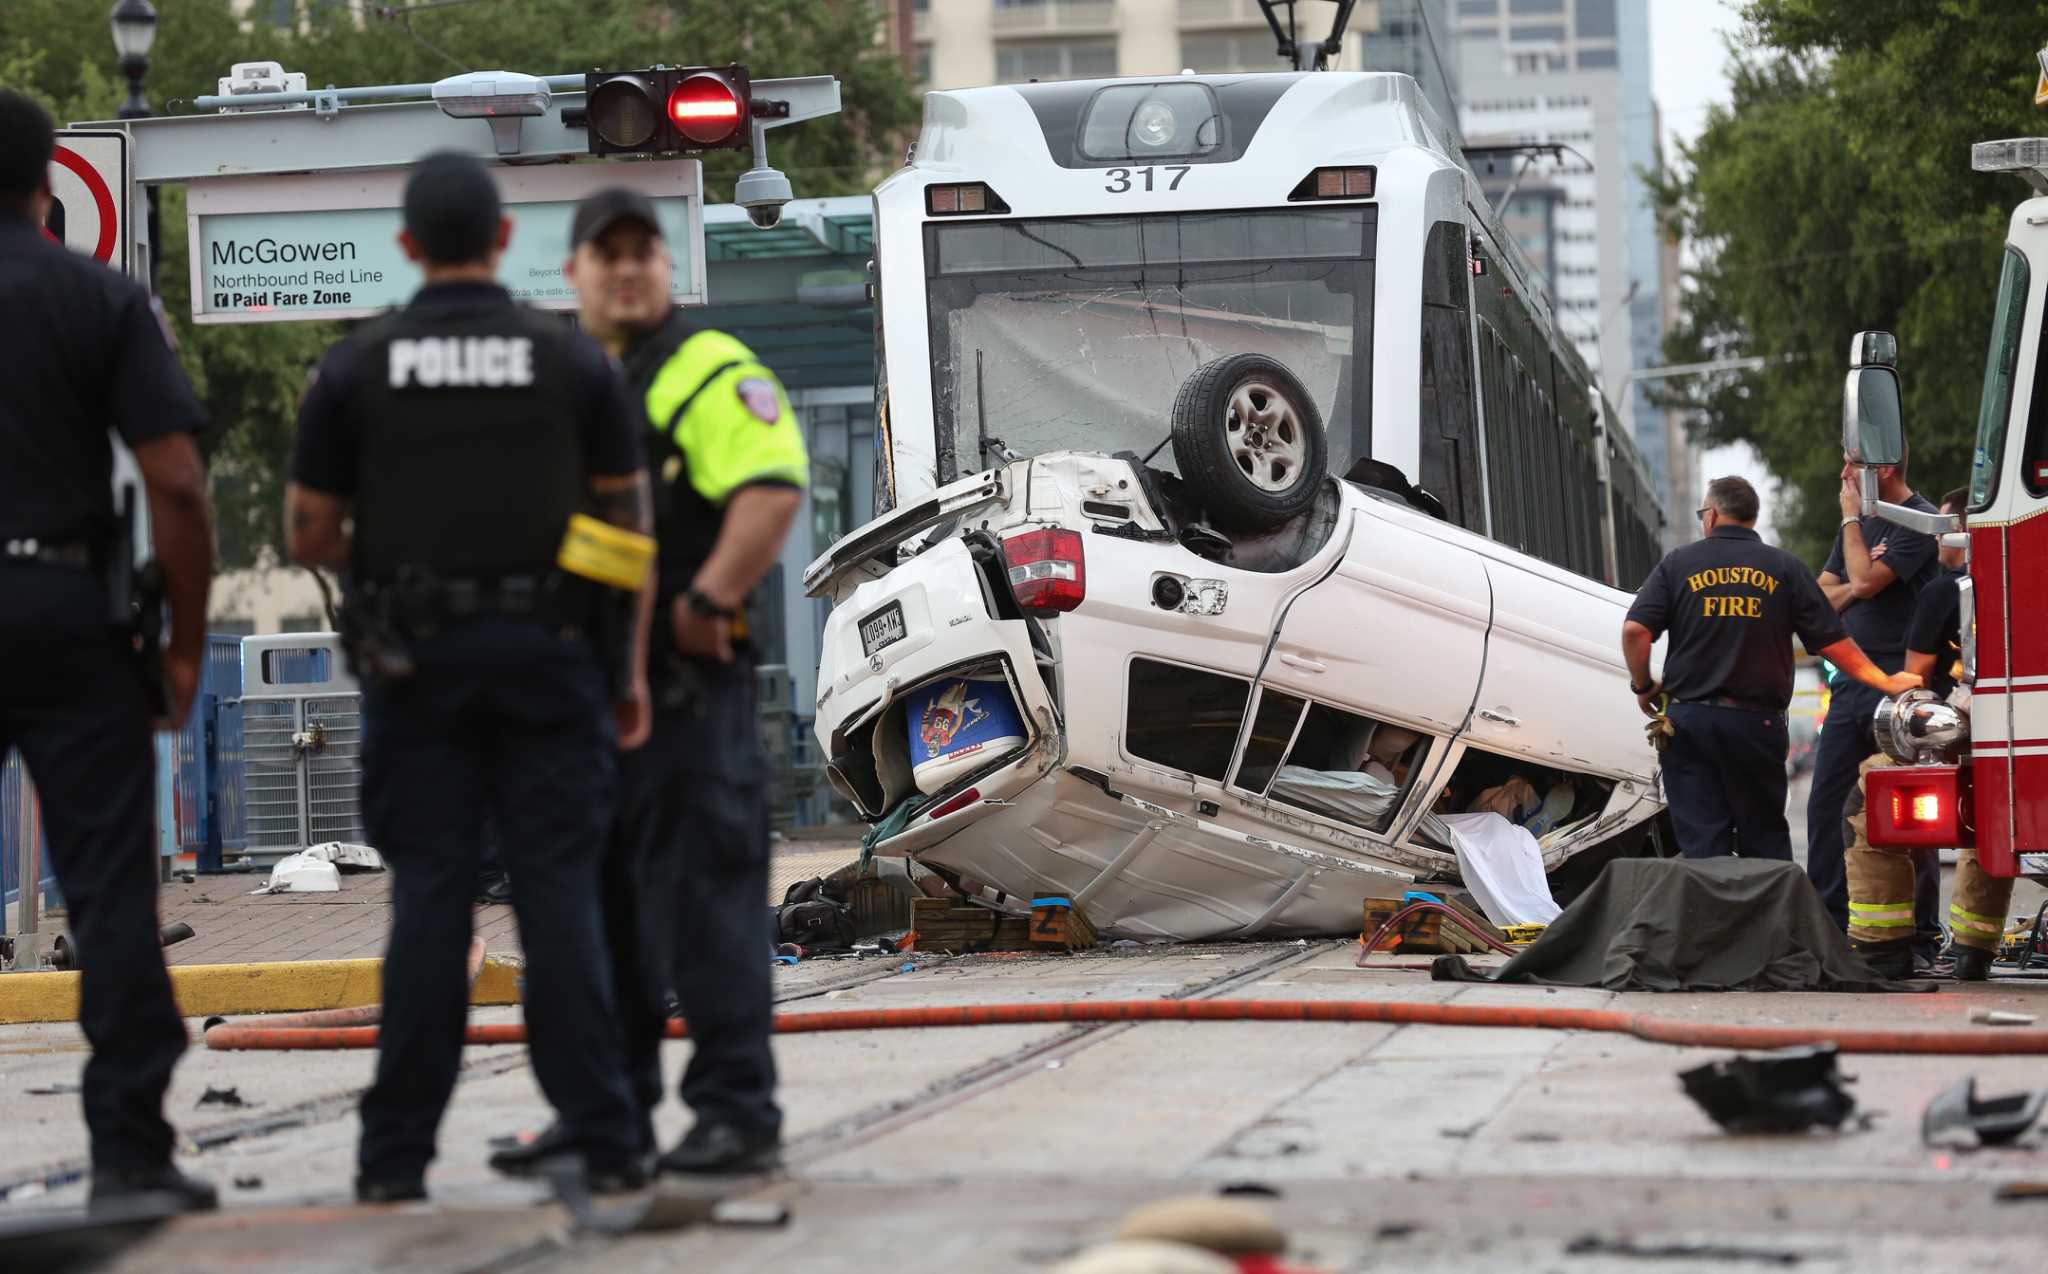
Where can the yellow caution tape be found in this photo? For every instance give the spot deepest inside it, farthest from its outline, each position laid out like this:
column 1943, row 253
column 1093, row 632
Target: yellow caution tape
column 608, row 554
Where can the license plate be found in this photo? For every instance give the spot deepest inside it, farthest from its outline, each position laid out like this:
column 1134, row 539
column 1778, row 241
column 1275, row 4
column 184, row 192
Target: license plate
column 881, row 629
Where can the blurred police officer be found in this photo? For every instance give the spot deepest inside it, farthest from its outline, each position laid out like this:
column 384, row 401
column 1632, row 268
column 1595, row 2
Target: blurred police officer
column 690, row 870
column 463, row 433
column 1732, row 605
column 86, row 354
column 1872, row 578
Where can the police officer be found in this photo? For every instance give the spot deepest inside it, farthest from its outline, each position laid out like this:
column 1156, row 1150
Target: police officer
column 1872, row 577
column 1732, row 604
column 463, row 433
column 86, row 355
column 690, row 868
column 1882, row 881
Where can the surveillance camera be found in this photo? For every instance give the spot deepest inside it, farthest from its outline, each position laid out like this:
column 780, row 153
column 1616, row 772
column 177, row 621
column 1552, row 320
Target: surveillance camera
column 763, row 192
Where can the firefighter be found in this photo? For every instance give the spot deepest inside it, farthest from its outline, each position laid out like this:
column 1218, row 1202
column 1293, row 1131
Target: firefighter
column 1872, row 577
column 465, row 434
column 86, row 359
column 1732, row 605
column 1881, row 881
column 687, row 878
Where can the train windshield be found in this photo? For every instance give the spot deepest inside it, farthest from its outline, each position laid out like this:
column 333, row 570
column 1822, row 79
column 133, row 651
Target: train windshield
column 1077, row 333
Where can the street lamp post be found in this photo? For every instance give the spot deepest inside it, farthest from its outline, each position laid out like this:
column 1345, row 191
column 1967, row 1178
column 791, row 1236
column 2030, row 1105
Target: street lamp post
column 134, row 26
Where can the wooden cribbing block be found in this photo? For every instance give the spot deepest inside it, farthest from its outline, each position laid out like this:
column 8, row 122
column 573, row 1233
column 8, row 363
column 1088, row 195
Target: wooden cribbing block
column 942, row 924
column 1057, row 922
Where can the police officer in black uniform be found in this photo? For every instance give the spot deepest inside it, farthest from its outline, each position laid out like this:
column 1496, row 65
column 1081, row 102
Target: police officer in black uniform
column 1732, row 605
column 687, row 883
column 464, row 434
column 85, row 355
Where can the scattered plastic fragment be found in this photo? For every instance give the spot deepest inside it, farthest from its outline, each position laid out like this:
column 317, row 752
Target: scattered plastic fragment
column 1790, row 1090
column 221, row 1097
column 1998, row 1017
column 1957, row 1118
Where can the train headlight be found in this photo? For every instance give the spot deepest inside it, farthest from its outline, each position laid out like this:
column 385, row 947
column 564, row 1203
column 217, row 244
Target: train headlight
column 1153, row 125
column 1150, row 121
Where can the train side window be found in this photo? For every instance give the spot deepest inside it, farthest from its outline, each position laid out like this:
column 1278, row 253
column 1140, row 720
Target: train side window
column 1350, row 768
column 1184, row 718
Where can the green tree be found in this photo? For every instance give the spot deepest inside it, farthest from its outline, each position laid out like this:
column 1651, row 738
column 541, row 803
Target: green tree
column 1834, row 194
column 250, row 376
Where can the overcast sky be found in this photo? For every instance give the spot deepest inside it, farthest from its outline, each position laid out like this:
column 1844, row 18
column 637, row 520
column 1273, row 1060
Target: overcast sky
column 1687, row 75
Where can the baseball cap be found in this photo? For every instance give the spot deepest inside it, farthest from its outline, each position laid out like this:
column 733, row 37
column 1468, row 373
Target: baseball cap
column 452, row 207
column 603, row 209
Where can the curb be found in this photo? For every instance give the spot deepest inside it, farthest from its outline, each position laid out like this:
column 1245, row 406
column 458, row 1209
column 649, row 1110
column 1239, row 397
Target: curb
column 230, row 990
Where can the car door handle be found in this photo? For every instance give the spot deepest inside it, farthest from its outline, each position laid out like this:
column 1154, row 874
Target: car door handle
column 1492, row 714
column 1305, row 664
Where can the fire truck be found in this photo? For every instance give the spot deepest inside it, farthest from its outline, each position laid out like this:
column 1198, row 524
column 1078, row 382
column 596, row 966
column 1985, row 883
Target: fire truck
column 1974, row 767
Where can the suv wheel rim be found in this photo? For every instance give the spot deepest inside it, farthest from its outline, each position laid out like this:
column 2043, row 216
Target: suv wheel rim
column 1265, row 436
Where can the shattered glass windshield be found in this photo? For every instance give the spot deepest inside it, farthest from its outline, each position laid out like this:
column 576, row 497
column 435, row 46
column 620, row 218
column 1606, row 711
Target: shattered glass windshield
column 1077, row 333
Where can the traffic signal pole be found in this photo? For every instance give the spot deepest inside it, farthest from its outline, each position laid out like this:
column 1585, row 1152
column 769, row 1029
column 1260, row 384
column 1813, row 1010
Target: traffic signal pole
column 341, row 129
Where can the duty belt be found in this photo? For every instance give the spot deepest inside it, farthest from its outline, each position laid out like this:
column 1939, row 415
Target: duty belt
column 1730, row 701
column 76, row 554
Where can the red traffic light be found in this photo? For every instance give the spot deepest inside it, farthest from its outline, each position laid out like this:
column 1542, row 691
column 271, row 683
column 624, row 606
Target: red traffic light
column 705, row 108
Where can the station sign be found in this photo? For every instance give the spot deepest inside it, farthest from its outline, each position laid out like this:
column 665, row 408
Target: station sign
column 310, row 246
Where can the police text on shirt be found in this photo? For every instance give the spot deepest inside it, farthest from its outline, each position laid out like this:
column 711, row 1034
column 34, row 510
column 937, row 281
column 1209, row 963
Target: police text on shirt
column 434, row 362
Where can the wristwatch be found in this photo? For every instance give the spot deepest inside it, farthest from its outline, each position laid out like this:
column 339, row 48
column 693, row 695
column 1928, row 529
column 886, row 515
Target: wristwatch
column 1850, row 522
column 1635, row 689
column 704, row 607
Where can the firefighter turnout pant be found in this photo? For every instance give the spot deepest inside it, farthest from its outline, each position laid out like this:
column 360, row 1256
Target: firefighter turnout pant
column 1881, row 886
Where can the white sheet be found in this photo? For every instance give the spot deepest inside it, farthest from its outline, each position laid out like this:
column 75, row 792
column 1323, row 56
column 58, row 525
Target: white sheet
column 1503, row 866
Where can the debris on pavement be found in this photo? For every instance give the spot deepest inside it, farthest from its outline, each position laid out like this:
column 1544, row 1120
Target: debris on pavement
column 1958, row 1119
column 750, row 1213
column 2016, row 1191
column 1790, row 1090
column 1240, row 1232
column 222, row 1097
column 248, row 1183
column 1145, row 1256
column 1999, row 1017
column 60, row 1088
column 1594, row 1245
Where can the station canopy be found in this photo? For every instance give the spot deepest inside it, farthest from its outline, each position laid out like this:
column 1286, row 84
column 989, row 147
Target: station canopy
column 797, row 294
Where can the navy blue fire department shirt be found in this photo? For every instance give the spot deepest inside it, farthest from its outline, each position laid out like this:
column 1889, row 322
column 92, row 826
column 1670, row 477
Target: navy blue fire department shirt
column 1937, row 629
column 1879, row 623
column 1732, row 605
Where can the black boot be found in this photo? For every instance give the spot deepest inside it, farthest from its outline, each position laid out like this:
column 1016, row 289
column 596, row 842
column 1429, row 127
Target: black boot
column 1972, row 964
column 1892, row 961
column 721, row 1149
column 390, row 1189
column 161, row 1190
column 516, row 1157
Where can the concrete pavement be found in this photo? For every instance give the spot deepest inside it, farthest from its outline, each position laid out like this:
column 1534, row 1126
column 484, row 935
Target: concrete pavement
column 1004, row 1148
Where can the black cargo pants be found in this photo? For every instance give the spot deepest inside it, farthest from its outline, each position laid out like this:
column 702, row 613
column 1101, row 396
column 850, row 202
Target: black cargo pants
column 686, row 901
column 503, row 715
column 71, row 700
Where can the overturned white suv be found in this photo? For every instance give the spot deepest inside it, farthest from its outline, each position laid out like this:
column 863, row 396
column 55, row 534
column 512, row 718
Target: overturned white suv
column 1225, row 691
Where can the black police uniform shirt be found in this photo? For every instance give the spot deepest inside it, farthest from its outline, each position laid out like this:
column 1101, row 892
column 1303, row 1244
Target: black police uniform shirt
column 1732, row 605
column 1879, row 623
column 463, row 428
column 1937, row 629
column 85, row 354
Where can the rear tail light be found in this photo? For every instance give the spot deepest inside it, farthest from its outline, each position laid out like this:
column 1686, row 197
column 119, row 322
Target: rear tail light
column 1915, row 807
column 953, row 201
column 1048, row 571
column 1336, row 183
column 958, row 803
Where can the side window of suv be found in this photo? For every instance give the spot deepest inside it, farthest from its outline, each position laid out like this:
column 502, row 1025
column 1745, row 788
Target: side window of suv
column 1184, row 718
column 1354, row 769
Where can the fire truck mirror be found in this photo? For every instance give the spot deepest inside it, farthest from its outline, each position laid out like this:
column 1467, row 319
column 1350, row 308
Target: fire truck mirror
column 1872, row 430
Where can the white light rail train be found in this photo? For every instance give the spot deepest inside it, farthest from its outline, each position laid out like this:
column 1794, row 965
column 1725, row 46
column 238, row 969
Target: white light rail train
column 1248, row 521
